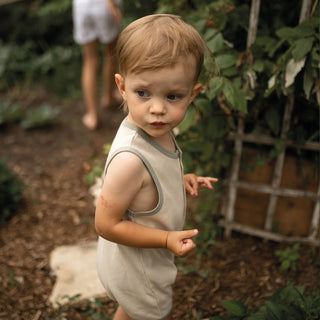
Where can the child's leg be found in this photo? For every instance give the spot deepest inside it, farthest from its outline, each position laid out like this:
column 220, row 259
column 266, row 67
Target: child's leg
column 121, row 315
column 90, row 66
column 110, row 95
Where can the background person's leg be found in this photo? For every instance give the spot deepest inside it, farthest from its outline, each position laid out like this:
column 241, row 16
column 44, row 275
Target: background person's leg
column 90, row 69
column 110, row 95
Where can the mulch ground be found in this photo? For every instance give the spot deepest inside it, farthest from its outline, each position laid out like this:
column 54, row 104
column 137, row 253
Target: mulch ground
column 57, row 209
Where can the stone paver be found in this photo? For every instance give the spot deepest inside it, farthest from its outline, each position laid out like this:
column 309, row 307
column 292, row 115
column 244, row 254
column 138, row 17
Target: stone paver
column 75, row 269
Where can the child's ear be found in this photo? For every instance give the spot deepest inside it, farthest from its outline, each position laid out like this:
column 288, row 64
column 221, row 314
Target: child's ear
column 196, row 89
column 120, row 84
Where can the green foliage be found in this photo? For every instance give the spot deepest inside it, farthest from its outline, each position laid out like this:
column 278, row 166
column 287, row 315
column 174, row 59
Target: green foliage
column 288, row 302
column 289, row 257
column 36, row 117
column 235, row 307
column 251, row 80
column 96, row 171
column 39, row 117
column 188, row 269
column 11, row 189
column 248, row 82
column 301, row 56
column 10, row 113
column 204, row 273
column 203, row 215
column 254, row 81
column 54, row 68
column 106, row 148
column 135, row 9
column 41, row 49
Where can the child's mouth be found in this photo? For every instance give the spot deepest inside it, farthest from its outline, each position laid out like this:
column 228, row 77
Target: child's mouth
column 157, row 124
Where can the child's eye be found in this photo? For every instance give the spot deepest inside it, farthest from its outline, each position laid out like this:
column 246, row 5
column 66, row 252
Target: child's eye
column 173, row 97
column 142, row 93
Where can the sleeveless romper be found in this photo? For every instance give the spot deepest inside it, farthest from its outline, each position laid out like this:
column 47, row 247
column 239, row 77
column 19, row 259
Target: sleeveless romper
column 140, row 279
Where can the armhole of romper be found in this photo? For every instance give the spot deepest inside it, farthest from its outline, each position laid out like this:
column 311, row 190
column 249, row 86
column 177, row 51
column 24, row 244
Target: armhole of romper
column 153, row 176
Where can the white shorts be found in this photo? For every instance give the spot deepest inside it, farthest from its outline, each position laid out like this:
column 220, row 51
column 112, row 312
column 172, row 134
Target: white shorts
column 93, row 21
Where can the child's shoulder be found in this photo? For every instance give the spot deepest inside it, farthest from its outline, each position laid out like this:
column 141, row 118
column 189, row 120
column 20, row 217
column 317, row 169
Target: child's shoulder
column 127, row 163
column 127, row 159
column 126, row 171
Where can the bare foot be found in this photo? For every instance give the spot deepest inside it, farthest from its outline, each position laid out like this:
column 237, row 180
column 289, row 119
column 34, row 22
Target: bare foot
column 90, row 122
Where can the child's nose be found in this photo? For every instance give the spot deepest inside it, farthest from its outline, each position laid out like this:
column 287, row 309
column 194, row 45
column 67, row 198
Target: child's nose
column 157, row 107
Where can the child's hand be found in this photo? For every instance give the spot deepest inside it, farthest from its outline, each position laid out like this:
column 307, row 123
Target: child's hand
column 180, row 243
column 193, row 183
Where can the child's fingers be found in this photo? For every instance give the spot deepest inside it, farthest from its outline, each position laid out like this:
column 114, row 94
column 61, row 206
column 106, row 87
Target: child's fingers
column 180, row 242
column 191, row 184
column 191, row 190
column 187, row 243
column 205, row 182
column 188, row 234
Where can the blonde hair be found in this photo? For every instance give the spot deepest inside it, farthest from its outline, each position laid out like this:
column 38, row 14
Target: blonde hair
column 158, row 41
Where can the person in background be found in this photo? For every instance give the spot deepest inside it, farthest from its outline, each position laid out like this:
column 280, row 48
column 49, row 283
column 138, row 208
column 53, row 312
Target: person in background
column 95, row 22
column 141, row 210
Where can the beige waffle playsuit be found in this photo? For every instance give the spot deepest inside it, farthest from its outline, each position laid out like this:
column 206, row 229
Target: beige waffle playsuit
column 140, row 279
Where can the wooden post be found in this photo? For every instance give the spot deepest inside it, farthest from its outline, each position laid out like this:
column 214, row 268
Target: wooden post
column 315, row 218
column 232, row 192
column 274, row 189
column 305, row 10
column 279, row 163
column 253, row 24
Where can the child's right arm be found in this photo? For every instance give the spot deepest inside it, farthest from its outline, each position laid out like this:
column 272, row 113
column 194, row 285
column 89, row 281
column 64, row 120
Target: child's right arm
column 126, row 175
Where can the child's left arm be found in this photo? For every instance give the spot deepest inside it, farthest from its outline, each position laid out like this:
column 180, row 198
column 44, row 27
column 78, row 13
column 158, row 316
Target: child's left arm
column 194, row 183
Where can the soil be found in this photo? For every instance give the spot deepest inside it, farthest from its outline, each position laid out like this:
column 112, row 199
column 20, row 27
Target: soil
column 57, row 209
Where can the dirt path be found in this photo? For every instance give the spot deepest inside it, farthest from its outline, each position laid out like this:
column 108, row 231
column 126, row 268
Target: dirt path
column 57, row 210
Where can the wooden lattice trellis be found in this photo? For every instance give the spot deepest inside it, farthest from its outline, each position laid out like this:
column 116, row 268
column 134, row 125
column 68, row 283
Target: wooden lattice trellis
column 274, row 190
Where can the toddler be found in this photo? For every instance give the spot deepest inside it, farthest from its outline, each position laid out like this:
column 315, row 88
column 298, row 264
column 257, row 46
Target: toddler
column 140, row 213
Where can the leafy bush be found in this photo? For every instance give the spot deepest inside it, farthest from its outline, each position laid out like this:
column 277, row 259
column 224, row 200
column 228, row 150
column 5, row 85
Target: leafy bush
column 39, row 117
column 36, row 117
column 44, row 51
column 10, row 192
column 289, row 257
column 288, row 302
column 252, row 82
column 9, row 113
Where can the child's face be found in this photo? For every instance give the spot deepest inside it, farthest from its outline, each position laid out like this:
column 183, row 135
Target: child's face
column 158, row 99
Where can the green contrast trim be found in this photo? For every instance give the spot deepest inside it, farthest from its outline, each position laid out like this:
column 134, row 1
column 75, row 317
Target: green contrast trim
column 146, row 137
column 153, row 175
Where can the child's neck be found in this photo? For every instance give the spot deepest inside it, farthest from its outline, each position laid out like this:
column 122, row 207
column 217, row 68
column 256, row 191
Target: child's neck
column 165, row 142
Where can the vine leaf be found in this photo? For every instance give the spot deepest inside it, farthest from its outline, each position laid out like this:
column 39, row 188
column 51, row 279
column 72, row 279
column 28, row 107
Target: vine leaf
column 292, row 69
